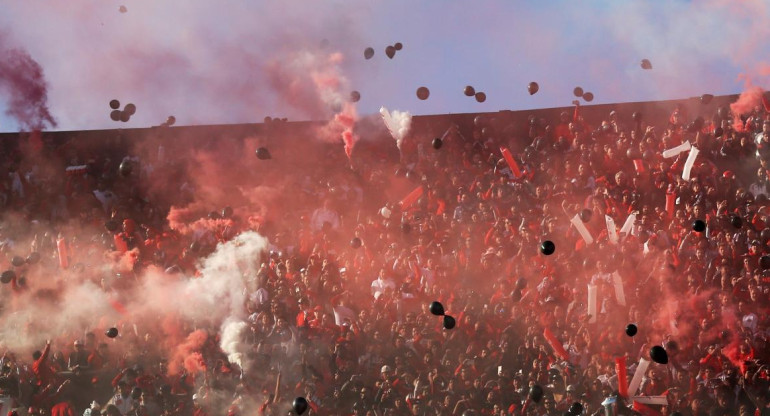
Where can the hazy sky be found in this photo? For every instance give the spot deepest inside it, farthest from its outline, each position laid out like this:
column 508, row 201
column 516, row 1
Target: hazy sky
column 212, row 62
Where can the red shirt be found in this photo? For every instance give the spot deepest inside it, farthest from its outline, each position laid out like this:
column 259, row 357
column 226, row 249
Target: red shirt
column 63, row 409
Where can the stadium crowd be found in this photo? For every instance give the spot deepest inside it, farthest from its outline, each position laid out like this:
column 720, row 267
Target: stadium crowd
column 338, row 311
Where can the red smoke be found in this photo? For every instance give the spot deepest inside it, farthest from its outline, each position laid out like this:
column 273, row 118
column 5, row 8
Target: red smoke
column 21, row 78
column 187, row 355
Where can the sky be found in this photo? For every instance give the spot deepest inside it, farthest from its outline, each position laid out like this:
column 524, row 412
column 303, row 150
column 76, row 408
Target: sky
column 237, row 61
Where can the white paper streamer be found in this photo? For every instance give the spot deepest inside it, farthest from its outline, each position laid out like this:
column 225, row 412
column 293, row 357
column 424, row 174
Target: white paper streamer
column 689, row 163
column 638, row 374
column 578, row 223
column 654, row 400
column 628, row 224
column 612, row 231
column 676, row 150
column 620, row 295
column 592, row 303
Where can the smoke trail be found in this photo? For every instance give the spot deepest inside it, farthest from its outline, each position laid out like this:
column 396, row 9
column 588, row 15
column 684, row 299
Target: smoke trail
column 23, row 82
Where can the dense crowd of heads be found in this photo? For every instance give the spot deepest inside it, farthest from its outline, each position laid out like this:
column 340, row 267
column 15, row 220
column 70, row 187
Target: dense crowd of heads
column 192, row 277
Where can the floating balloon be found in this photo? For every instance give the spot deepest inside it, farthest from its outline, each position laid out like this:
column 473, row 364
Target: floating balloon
column 124, row 116
column 631, row 330
column 423, row 93
column 263, row 154
column 122, row 9
column 115, row 115
column 114, row 104
column 267, row 120
column 585, row 215
column 7, row 276
column 125, row 168
column 637, row 116
column 111, row 333
column 588, row 97
column 547, row 247
column 736, row 221
column 577, row 92
column 449, row 322
column 481, row 97
column 227, row 212
column 536, row 393
column 521, row 283
column 18, row 261
column 130, row 109
column 469, row 91
column 533, row 88
column 170, row 120
column 764, row 262
column 576, row 409
column 33, row 258
column 355, row 96
column 213, row 215
column 659, row 355
column 299, row 405
column 436, row 308
column 398, row 46
column 699, row 226
column 368, row 53
column 390, row 51
column 355, row 242
column 437, row 143
column 706, row 98
column 646, row 64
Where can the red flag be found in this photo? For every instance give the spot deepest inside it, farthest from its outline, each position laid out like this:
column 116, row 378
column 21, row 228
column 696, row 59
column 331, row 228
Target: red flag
column 557, row 346
column 620, row 370
column 411, row 198
column 511, row 161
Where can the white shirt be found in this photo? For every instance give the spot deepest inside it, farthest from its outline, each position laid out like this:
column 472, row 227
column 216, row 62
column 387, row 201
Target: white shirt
column 259, row 297
column 379, row 286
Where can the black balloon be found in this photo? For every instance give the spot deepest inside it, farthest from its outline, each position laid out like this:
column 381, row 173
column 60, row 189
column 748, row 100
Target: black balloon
column 736, row 221
column 267, row 120
column 585, row 215
column 390, row 51
column 536, row 393
column 114, row 104
column 170, row 120
column 111, row 225
column 355, row 242
column 115, row 115
column 659, row 355
column 125, row 116
column 398, row 46
column 533, row 88
column 33, row 258
column 547, row 247
column 7, row 276
column 214, row 215
column 130, row 109
column 706, row 98
column 437, row 143
column 227, row 212
column 355, row 96
column 449, row 322
column 588, row 97
column 481, row 97
column 469, row 91
column 125, row 168
column 423, row 93
column 576, row 409
column 646, row 64
column 764, row 262
column 299, row 405
column 368, row 53
column 577, row 92
column 521, row 283
column 263, row 154
column 111, row 333
column 637, row 116
column 631, row 330
column 436, row 308
column 699, row 226
column 18, row 261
